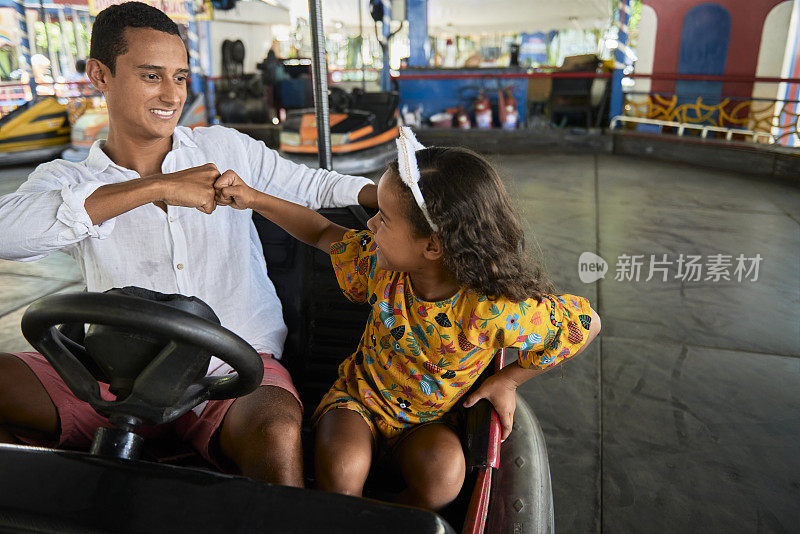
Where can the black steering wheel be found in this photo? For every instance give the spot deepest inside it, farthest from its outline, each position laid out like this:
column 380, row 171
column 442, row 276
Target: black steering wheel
column 153, row 388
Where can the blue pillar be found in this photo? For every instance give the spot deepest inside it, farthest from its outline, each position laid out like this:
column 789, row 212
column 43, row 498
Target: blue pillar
column 211, row 104
column 617, row 97
column 417, row 15
column 25, row 45
column 194, row 50
column 386, row 79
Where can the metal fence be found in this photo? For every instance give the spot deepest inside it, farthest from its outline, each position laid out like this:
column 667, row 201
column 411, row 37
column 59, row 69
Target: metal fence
column 761, row 120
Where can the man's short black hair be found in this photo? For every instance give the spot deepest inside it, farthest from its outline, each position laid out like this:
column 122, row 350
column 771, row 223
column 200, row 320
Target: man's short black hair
column 108, row 30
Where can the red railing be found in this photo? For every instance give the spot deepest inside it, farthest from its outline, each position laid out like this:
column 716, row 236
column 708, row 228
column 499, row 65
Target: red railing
column 500, row 75
column 728, row 78
column 558, row 74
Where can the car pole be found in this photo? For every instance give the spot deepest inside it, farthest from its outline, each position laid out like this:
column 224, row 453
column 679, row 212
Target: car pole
column 320, row 75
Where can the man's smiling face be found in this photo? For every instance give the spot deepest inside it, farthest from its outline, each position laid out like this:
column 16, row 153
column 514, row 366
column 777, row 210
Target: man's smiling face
column 146, row 94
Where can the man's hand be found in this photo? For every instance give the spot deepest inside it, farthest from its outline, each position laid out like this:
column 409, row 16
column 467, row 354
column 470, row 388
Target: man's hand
column 501, row 392
column 232, row 191
column 191, row 188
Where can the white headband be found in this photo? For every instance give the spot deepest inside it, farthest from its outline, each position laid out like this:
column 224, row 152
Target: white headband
column 407, row 146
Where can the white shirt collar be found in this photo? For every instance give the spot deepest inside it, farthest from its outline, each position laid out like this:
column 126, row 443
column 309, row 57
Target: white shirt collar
column 99, row 161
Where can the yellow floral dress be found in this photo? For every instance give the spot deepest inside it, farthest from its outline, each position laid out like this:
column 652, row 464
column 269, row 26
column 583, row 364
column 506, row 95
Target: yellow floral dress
column 417, row 358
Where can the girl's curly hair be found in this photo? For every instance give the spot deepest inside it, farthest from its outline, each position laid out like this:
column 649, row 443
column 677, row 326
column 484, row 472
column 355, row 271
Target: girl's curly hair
column 479, row 228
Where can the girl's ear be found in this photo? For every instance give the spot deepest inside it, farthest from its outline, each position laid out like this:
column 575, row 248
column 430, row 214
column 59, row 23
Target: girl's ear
column 98, row 74
column 433, row 248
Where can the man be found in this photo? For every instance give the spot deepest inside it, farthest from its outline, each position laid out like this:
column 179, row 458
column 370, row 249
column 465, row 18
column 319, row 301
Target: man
column 140, row 210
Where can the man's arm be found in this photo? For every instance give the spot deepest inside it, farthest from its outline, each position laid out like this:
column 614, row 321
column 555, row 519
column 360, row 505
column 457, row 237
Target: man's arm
column 313, row 188
column 192, row 188
column 52, row 210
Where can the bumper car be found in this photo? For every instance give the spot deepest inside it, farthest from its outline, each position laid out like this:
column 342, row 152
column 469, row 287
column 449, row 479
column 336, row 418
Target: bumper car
column 363, row 132
column 36, row 131
column 154, row 350
column 88, row 128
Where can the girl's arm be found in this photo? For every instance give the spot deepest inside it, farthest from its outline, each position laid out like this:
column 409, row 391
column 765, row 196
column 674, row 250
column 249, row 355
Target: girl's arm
column 302, row 223
column 501, row 387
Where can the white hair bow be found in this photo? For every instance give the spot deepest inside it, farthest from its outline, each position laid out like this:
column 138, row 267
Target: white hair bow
column 407, row 146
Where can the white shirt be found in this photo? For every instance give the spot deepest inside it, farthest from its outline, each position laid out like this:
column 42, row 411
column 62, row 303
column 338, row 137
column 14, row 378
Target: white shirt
column 216, row 257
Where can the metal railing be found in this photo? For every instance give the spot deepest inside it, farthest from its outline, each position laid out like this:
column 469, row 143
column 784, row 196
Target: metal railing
column 682, row 127
column 760, row 120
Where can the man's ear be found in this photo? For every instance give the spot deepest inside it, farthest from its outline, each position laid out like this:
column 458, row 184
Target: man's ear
column 98, row 74
column 433, row 248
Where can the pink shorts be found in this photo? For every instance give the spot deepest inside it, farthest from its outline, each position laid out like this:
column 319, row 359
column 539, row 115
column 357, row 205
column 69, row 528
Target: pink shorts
column 79, row 421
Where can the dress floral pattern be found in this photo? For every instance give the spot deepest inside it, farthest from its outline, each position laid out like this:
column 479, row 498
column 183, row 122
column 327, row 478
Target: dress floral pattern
column 417, row 358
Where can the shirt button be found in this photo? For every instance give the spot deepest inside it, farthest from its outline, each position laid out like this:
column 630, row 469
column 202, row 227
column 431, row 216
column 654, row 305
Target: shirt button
column 171, row 219
column 179, row 266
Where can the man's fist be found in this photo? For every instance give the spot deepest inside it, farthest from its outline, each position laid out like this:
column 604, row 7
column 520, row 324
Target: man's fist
column 191, row 188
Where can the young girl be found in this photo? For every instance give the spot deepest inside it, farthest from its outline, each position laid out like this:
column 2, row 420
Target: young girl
column 443, row 267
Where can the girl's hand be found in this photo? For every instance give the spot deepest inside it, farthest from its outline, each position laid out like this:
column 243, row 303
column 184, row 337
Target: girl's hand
column 232, row 191
column 501, row 392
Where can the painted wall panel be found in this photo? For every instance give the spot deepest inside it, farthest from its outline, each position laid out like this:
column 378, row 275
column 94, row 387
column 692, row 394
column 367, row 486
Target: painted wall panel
column 704, row 49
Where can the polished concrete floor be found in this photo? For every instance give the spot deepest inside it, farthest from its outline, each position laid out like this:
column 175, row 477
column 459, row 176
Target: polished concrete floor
column 684, row 416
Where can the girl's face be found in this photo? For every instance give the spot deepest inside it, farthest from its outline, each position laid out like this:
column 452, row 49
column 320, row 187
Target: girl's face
column 398, row 248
